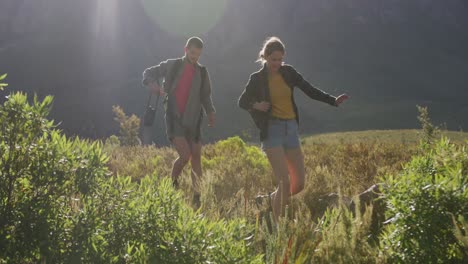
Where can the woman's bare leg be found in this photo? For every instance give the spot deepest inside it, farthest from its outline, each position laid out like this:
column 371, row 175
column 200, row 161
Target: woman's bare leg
column 280, row 196
column 295, row 160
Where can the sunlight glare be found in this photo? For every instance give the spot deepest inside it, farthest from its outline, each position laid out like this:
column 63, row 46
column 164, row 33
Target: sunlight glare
column 185, row 17
column 105, row 21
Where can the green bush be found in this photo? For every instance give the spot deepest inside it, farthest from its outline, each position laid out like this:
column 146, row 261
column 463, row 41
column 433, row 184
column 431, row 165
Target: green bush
column 149, row 222
column 41, row 175
column 429, row 131
column 58, row 205
column 421, row 201
column 129, row 127
column 461, row 231
column 234, row 172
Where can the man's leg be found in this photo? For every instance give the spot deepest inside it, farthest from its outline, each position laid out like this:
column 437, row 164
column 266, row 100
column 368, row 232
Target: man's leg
column 196, row 171
column 183, row 149
column 147, row 135
column 196, row 165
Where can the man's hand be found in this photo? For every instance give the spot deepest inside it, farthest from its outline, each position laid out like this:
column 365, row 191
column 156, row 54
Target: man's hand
column 340, row 99
column 155, row 88
column 211, row 119
column 261, row 106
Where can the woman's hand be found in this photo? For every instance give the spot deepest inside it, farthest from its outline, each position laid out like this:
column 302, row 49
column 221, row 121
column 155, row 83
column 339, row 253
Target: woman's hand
column 261, row 106
column 340, row 99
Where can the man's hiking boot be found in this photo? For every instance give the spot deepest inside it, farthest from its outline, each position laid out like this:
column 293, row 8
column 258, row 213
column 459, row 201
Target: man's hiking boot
column 264, row 205
column 263, row 202
column 175, row 183
column 196, row 201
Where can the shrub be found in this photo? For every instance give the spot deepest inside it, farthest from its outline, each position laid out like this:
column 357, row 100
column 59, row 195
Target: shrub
column 129, row 127
column 58, row 204
column 461, row 232
column 41, row 173
column 149, row 222
column 429, row 131
column 431, row 188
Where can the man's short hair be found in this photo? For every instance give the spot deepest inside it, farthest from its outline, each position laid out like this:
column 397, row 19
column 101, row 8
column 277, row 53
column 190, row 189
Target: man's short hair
column 194, row 42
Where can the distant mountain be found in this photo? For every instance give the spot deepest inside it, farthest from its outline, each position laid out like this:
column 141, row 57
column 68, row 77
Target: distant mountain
column 389, row 55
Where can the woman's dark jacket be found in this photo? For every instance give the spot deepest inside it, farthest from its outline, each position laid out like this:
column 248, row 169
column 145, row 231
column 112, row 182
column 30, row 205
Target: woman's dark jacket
column 257, row 90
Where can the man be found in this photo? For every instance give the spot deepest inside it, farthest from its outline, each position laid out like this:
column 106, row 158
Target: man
column 187, row 90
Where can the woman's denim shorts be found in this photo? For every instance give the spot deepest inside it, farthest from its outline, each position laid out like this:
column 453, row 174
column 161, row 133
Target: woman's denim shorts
column 282, row 133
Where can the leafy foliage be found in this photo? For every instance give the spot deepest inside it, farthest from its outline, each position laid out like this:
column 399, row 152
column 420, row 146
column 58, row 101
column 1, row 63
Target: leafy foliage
column 42, row 173
column 59, row 205
column 150, row 222
column 2, row 84
column 461, row 232
column 421, row 201
column 70, row 200
column 429, row 131
column 129, row 127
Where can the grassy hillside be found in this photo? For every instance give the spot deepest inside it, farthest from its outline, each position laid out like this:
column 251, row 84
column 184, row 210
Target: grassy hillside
column 235, row 171
column 402, row 136
column 73, row 201
column 341, row 163
column 68, row 200
column 346, row 163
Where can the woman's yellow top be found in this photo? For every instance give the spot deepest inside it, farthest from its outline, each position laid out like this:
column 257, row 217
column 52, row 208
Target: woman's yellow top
column 281, row 100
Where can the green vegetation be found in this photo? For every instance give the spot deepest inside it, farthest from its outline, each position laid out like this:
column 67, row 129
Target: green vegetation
column 236, row 172
column 403, row 136
column 2, row 85
column 129, row 127
column 421, row 202
column 68, row 200
column 60, row 204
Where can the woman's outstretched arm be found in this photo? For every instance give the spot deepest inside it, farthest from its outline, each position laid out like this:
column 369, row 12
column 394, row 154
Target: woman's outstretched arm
column 313, row 92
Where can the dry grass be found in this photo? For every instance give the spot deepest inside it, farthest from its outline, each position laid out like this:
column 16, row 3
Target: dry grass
column 235, row 172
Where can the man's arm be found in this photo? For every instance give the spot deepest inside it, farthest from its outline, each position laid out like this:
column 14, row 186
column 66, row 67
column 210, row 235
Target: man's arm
column 154, row 73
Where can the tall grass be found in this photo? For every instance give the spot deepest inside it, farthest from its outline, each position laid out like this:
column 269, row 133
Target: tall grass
column 235, row 172
column 319, row 227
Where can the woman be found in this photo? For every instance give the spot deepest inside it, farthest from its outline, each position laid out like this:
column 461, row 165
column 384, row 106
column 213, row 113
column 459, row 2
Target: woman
column 268, row 97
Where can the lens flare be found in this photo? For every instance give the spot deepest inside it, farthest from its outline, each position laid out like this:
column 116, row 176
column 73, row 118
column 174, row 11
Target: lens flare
column 185, row 17
column 104, row 24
